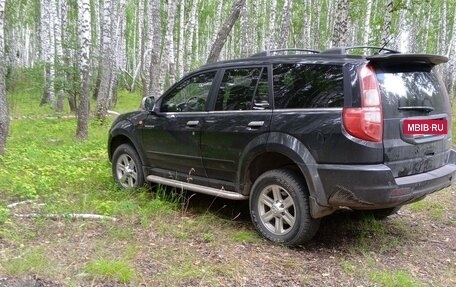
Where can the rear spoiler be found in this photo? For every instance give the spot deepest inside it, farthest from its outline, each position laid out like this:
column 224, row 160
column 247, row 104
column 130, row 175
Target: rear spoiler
column 409, row 58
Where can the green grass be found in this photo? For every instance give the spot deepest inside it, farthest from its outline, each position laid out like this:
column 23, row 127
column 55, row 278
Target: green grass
column 394, row 279
column 111, row 269
column 435, row 209
column 33, row 260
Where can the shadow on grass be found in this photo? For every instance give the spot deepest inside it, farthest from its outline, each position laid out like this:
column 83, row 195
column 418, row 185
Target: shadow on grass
column 343, row 230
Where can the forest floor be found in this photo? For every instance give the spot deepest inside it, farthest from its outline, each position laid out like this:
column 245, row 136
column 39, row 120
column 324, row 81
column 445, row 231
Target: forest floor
column 209, row 242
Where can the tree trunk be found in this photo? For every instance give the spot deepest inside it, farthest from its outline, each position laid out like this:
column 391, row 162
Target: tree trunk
column 340, row 25
column 82, row 131
column 4, row 116
column 48, row 18
column 156, row 51
column 106, row 60
column 181, row 40
column 367, row 27
column 169, row 62
column 59, row 26
column 225, row 31
column 449, row 79
column 387, row 21
column 285, row 27
column 190, row 31
column 272, row 20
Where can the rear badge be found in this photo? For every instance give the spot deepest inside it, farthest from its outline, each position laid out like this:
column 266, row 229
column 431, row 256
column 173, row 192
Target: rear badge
column 425, row 128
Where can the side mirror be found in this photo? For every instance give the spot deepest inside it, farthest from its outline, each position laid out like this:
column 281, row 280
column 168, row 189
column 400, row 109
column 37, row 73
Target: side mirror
column 148, row 103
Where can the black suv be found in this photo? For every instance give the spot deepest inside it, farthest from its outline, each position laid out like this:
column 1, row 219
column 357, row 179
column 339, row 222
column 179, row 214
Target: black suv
column 298, row 134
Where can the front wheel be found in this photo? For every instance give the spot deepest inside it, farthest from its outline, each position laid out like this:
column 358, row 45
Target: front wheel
column 127, row 167
column 279, row 207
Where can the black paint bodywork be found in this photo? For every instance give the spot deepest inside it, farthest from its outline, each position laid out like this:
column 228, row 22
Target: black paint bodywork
column 220, row 150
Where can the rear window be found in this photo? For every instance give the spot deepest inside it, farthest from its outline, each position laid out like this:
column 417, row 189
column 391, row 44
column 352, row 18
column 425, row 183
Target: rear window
column 300, row 86
column 403, row 88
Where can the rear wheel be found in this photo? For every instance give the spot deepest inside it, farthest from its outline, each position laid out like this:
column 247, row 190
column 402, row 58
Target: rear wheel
column 279, row 207
column 127, row 167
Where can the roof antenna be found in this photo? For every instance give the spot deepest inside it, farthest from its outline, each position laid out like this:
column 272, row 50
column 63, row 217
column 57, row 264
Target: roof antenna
column 384, row 45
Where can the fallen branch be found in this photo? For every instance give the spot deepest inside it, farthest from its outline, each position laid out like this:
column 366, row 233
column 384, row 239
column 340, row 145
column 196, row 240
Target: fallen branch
column 63, row 216
column 13, row 205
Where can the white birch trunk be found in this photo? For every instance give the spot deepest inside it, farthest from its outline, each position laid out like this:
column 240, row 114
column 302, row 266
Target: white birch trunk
column 272, row 20
column 451, row 53
column 104, row 91
column 156, row 50
column 340, row 24
column 284, row 31
column 181, row 39
column 386, row 26
column 367, row 27
column 47, row 49
column 4, row 115
column 191, row 24
column 307, row 24
column 84, row 31
column 58, row 27
column 169, row 62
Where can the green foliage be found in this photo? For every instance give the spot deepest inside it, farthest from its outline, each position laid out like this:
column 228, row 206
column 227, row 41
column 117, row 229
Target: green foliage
column 108, row 269
column 4, row 214
column 394, row 279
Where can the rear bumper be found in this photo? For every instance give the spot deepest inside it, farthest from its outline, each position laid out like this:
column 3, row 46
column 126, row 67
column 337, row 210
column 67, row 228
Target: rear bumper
column 374, row 187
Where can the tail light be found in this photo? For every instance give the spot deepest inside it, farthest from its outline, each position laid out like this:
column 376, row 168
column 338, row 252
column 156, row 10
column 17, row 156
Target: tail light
column 366, row 122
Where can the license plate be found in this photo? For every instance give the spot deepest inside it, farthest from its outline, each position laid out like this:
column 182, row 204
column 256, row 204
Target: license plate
column 425, row 127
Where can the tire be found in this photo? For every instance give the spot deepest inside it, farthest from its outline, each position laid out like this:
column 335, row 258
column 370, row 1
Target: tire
column 279, row 208
column 381, row 214
column 127, row 167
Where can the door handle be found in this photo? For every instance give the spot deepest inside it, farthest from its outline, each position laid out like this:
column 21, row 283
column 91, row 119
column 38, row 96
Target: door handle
column 192, row 123
column 256, row 124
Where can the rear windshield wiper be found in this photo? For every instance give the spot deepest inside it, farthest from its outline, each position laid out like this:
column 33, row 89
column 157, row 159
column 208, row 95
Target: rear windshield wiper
column 426, row 109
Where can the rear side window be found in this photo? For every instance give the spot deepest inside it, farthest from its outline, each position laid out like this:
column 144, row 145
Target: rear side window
column 404, row 88
column 243, row 89
column 301, row 86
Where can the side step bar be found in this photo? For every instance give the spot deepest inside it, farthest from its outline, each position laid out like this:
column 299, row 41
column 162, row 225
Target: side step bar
column 197, row 188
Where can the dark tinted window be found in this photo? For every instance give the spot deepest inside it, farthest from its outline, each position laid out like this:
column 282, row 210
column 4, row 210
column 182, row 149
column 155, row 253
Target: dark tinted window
column 243, row 89
column 410, row 87
column 190, row 95
column 308, row 86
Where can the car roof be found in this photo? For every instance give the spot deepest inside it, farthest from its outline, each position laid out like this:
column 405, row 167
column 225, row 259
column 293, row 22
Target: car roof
column 337, row 56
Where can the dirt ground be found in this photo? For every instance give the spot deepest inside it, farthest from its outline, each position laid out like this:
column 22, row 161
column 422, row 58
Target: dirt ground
column 415, row 247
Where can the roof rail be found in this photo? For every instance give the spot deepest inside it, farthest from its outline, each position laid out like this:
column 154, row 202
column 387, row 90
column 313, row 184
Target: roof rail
column 271, row 52
column 343, row 50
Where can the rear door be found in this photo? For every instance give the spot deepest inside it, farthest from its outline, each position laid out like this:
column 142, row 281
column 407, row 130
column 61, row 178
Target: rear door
column 412, row 91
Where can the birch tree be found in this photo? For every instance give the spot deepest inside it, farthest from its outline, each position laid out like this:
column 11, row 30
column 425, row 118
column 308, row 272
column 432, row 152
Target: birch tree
column 47, row 35
column 225, row 31
column 286, row 24
column 155, row 59
column 106, row 64
column 272, row 20
column 82, row 130
column 59, row 26
column 386, row 26
column 4, row 116
column 169, row 61
column 340, row 25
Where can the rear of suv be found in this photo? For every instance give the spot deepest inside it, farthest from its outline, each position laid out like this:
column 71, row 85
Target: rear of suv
column 298, row 135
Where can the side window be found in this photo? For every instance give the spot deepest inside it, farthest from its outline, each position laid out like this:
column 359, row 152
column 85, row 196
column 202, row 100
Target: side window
column 243, row 89
column 189, row 96
column 298, row 86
